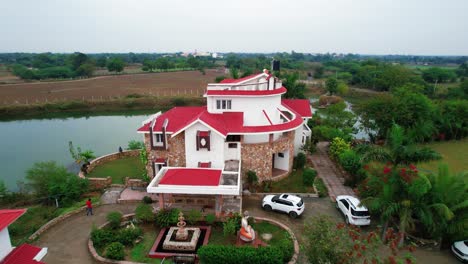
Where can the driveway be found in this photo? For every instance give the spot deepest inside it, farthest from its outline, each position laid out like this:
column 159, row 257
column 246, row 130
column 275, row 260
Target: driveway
column 67, row 241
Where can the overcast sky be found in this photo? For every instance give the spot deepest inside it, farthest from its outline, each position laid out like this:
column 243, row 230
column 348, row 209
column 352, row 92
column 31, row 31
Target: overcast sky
column 423, row 27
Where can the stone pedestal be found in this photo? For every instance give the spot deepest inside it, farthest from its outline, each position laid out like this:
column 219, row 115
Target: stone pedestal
column 190, row 243
column 182, row 234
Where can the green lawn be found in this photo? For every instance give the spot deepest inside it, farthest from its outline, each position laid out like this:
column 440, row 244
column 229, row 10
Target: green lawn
column 292, row 184
column 139, row 252
column 119, row 169
column 454, row 153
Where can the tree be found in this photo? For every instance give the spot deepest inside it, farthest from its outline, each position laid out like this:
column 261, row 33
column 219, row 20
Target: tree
column 331, row 85
column 49, row 180
column 77, row 59
column 135, row 144
column 294, row 87
column 81, row 157
column 318, row 73
column 115, row 64
column 439, row 75
column 398, row 150
column 101, row 62
column 86, row 69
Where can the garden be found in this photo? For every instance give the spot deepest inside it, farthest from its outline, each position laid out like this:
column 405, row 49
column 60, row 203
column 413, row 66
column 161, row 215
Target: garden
column 119, row 169
column 132, row 238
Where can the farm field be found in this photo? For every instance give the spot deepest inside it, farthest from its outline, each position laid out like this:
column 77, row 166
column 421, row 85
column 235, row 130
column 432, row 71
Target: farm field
column 108, row 87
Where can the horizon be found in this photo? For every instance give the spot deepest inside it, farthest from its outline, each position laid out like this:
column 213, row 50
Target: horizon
column 415, row 28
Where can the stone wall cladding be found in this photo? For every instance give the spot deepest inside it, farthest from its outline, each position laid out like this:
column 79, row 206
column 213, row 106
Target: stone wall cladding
column 258, row 156
column 99, row 183
column 175, row 153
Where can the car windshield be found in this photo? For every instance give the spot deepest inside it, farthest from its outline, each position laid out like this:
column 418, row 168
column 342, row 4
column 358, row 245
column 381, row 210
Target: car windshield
column 359, row 213
column 466, row 243
column 275, row 198
column 300, row 203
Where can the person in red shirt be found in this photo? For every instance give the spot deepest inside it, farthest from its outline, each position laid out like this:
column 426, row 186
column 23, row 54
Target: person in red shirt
column 89, row 207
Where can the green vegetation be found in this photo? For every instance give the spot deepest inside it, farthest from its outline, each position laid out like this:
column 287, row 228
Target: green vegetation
column 453, row 153
column 118, row 169
column 214, row 254
column 135, row 144
column 308, row 177
column 140, row 251
column 115, row 65
column 51, row 181
column 293, row 183
column 332, row 122
column 114, row 218
column 300, row 161
column 321, row 188
column 329, row 242
column 115, row 250
column 167, row 217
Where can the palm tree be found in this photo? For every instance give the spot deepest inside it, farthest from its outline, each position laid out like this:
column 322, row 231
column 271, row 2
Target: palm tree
column 450, row 190
column 398, row 150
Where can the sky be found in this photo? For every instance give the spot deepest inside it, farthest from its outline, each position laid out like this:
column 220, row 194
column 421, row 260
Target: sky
column 419, row 27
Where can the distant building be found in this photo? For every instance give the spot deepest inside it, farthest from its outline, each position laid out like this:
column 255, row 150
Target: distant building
column 198, row 155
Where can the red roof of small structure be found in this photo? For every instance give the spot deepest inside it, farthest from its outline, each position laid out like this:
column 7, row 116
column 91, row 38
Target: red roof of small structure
column 240, row 79
column 301, row 106
column 23, row 254
column 196, row 177
column 7, row 217
column 281, row 90
column 228, row 122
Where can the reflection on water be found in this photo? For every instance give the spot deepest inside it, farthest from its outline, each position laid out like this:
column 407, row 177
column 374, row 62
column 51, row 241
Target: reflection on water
column 22, row 143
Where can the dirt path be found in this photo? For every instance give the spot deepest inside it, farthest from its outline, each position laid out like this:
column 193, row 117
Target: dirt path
column 67, row 241
column 329, row 173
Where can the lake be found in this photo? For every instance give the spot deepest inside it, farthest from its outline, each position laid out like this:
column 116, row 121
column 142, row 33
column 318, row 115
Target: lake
column 24, row 142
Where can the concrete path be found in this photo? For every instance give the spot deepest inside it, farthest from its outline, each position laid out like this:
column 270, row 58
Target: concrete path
column 67, row 241
column 329, row 173
column 111, row 195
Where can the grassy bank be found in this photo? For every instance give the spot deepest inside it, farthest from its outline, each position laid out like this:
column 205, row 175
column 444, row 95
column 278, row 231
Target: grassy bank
column 128, row 104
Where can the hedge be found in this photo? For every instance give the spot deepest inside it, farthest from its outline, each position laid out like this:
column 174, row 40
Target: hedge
column 215, row 254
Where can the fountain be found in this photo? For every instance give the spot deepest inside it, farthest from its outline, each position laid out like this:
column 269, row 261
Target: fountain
column 181, row 238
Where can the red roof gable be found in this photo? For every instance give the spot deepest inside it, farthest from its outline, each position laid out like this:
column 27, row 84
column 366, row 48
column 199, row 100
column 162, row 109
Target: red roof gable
column 9, row 216
column 240, row 79
column 301, row 106
column 178, row 118
column 197, row 177
column 23, row 254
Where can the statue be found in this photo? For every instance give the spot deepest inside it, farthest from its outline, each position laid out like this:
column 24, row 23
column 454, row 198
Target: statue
column 247, row 233
column 182, row 233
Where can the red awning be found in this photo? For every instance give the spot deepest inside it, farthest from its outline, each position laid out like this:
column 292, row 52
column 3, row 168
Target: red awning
column 23, row 254
column 203, row 133
column 192, row 176
column 159, row 160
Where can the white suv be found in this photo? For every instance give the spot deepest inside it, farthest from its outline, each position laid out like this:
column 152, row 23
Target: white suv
column 353, row 213
column 460, row 249
column 286, row 203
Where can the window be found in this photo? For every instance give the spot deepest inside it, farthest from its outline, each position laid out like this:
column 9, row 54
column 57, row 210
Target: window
column 281, row 154
column 158, row 138
column 203, row 140
column 232, row 145
column 223, row 104
column 345, row 203
column 233, row 138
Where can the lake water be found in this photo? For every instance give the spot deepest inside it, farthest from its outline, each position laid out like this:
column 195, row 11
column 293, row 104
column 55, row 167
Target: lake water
column 24, row 142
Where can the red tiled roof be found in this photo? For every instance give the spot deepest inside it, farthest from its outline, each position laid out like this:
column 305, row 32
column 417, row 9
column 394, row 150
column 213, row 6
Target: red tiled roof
column 227, row 122
column 9, row 216
column 23, row 254
column 196, row 177
column 281, row 90
column 301, row 106
column 240, row 79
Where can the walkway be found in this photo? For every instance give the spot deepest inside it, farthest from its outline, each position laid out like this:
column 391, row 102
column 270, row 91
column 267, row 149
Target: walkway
column 329, row 173
column 67, row 241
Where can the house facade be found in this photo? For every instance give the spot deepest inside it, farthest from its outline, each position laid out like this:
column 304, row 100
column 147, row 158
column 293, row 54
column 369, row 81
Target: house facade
column 207, row 150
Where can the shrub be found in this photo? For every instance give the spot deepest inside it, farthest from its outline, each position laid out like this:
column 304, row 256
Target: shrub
column 193, row 216
column 266, row 186
column 147, row 200
column 127, row 236
column 300, row 161
column 179, row 101
column 135, row 144
column 102, row 237
column 115, row 250
column 338, row 146
column 144, row 212
column 114, row 218
column 286, row 246
column 167, row 217
column 219, row 78
column 350, row 161
column 229, row 227
column 210, row 218
column 252, row 177
column 308, row 176
column 214, row 254
column 321, row 188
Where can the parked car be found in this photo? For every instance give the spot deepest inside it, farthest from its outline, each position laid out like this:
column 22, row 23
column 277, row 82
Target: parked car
column 353, row 213
column 460, row 249
column 286, row 203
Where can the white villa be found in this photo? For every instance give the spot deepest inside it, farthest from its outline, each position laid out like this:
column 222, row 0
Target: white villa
column 24, row 254
column 199, row 155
